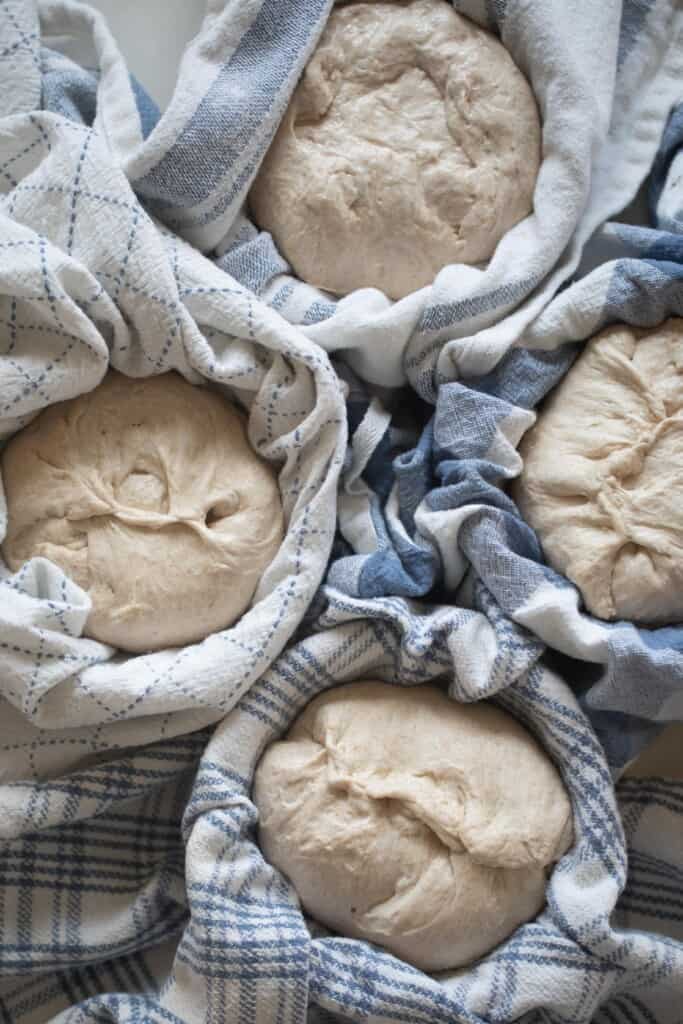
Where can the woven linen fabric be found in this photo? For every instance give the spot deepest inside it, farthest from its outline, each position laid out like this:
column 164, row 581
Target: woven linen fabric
column 92, row 889
column 605, row 76
column 88, row 280
column 131, row 888
column 424, row 510
column 234, row 945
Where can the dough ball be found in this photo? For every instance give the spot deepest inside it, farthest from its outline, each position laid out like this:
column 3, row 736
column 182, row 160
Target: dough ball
column 411, row 142
column 603, row 474
column 147, row 494
column 410, row 820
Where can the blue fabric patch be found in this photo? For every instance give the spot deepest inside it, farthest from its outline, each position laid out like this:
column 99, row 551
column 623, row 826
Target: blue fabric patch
column 71, row 91
column 668, row 147
column 466, row 421
column 148, row 111
column 67, row 88
column 234, row 107
column 644, row 292
column 319, row 311
column 445, row 314
column 451, row 468
column 633, row 15
column 254, row 263
column 524, row 376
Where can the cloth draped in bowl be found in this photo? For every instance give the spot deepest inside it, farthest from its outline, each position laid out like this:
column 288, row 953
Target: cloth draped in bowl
column 605, row 77
column 88, row 280
column 432, row 511
column 603, row 109
column 130, row 885
column 232, row 943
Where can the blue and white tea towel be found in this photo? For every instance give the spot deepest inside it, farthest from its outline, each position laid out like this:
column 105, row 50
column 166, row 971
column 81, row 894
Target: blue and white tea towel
column 88, row 280
column 420, row 511
column 232, row 943
column 605, row 76
column 130, row 885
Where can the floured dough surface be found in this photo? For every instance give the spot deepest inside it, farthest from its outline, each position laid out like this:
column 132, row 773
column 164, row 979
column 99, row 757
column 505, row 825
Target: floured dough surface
column 411, row 142
column 602, row 482
column 148, row 494
column 410, row 820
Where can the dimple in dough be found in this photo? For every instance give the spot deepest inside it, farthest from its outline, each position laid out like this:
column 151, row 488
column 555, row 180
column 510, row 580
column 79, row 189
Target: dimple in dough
column 405, row 818
column 602, row 482
column 149, row 496
column 412, row 142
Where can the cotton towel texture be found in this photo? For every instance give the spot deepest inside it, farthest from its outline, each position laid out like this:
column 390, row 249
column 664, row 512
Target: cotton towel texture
column 131, row 884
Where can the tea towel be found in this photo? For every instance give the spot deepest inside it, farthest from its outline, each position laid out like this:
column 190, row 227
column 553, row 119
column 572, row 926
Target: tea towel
column 427, row 512
column 605, row 77
column 232, row 944
column 89, row 280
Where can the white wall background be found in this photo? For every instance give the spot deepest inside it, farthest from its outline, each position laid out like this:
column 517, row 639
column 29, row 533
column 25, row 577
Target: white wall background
column 152, row 35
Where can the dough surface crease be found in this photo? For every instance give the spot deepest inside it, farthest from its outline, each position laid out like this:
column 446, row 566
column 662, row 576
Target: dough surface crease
column 405, row 818
column 411, row 142
column 148, row 494
column 602, row 482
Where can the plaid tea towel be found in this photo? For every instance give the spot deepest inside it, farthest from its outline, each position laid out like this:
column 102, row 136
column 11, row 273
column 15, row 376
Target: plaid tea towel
column 423, row 511
column 605, row 76
column 232, row 943
column 89, row 280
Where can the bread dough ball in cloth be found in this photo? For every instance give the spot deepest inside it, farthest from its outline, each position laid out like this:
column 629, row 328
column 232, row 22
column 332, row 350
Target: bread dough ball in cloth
column 149, row 496
column 410, row 820
column 603, row 474
column 411, row 142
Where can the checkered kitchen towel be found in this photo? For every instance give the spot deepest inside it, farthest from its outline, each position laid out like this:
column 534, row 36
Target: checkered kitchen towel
column 88, row 280
column 130, row 887
column 102, row 928
column 605, row 75
column 422, row 505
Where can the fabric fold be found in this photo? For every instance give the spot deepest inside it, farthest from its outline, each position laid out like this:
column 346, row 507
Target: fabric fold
column 87, row 281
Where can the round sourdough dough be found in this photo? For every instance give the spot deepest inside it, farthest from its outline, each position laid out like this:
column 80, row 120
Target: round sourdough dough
column 149, row 496
column 602, row 482
column 411, row 142
column 410, row 820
